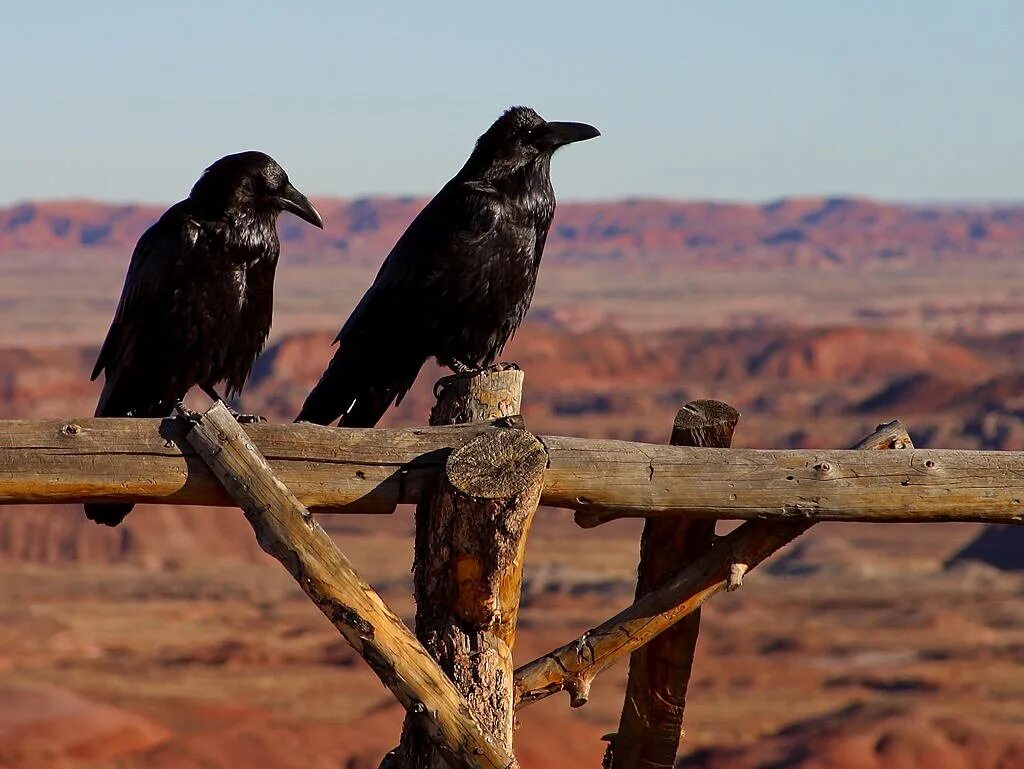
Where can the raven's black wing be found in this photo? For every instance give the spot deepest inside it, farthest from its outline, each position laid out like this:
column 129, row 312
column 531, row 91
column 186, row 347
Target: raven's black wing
column 388, row 336
column 130, row 357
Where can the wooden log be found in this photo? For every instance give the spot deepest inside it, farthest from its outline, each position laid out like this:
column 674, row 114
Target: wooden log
column 287, row 531
column 604, row 480
column 470, row 542
column 573, row 666
column 350, row 470
column 651, row 723
column 150, row 460
column 468, row 576
column 483, row 397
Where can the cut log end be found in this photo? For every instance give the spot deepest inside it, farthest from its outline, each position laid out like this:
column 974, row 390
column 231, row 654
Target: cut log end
column 497, row 465
column 704, row 423
column 485, row 396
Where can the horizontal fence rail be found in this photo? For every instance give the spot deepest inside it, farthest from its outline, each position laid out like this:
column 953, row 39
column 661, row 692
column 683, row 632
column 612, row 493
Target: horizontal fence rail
column 337, row 470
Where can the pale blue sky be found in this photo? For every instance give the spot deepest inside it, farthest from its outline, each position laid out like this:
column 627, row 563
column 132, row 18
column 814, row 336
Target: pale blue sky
column 732, row 100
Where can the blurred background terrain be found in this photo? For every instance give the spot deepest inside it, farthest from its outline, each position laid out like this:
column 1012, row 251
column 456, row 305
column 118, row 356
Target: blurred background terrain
column 173, row 642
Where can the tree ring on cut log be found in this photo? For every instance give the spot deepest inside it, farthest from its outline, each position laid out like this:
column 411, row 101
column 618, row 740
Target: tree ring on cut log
column 496, row 465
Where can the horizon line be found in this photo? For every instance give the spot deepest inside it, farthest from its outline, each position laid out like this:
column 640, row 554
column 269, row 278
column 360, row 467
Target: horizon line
column 620, row 200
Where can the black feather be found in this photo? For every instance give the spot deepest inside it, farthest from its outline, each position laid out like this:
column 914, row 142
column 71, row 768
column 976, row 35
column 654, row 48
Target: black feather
column 460, row 279
column 198, row 296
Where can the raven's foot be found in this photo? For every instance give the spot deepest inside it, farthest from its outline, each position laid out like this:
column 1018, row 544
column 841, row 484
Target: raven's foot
column 246, row 419
column 242, row 419
column 464, row 371
column 186, row 413
column 496, row 368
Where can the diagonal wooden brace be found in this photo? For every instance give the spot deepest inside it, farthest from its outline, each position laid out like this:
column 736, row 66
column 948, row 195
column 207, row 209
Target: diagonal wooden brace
column 572, row 667
column 287, row 531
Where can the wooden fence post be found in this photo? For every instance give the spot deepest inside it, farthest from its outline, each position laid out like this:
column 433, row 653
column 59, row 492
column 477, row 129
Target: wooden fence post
column 652, row 714
column 470, row 541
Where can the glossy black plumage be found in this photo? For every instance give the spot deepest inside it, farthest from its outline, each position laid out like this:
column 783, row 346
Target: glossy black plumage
column 460, row 279
column 198, row 297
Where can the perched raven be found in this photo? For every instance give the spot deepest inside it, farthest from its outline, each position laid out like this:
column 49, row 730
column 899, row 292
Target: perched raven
column 197, row 300
column 459, row 280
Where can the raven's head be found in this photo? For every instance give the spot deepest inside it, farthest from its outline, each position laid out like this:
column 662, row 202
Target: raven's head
column 520, row 137
column 252, row 181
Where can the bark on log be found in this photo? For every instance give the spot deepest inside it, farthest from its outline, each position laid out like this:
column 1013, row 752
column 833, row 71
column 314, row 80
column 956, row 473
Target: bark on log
column 482, row 397
column 349, row 470
column 150, row 460
column 650, row 726
column 470, row 541
column 288, row 532
column 573, row 666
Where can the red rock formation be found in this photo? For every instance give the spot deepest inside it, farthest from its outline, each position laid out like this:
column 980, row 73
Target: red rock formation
column 806, row 231
column 874, row 737
column 49, row 728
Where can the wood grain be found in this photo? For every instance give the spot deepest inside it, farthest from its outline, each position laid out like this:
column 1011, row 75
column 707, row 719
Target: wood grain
column 471, row 537
column 287, row 531
column 349, row 470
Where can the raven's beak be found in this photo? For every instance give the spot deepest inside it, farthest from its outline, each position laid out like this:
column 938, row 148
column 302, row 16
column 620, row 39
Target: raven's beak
column 556, row 134
column 292, row 200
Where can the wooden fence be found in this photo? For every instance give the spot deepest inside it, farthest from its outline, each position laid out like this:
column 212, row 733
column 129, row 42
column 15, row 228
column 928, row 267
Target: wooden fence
column 477, row 476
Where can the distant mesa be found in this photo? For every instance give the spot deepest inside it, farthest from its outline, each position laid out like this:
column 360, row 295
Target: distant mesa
column 810, row 232
column 870, row 736
column 45, row 727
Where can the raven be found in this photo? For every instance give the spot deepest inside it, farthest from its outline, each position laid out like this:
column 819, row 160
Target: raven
column 197, row 300
column 460, row 279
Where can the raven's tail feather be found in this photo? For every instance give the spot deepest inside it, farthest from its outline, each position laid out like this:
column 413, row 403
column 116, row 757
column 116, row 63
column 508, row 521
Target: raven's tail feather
column 107, row 514
column 114, row 402
column 357, row 391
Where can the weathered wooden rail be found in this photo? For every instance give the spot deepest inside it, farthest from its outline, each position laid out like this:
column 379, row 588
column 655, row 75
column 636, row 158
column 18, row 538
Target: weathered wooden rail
column 372, row 471
column 477, row 486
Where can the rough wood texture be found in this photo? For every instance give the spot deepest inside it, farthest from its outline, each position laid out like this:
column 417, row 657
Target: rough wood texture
column 652, row 713
column 468, row 574
column 482, row 397
column 604, row 480
column 572, row 667
column 288, row 532
column 470, row 541
column 150, row 460
column 346, row 470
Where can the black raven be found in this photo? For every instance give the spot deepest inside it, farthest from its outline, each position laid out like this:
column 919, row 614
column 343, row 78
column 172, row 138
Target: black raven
column 197, row 300
column 459, row 280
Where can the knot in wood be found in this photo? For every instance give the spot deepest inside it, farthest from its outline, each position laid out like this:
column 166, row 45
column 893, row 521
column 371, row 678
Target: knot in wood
column 71, row 429
column 496, row 465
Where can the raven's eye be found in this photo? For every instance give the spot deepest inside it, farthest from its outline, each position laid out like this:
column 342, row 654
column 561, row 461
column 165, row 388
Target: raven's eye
column 273, row 182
